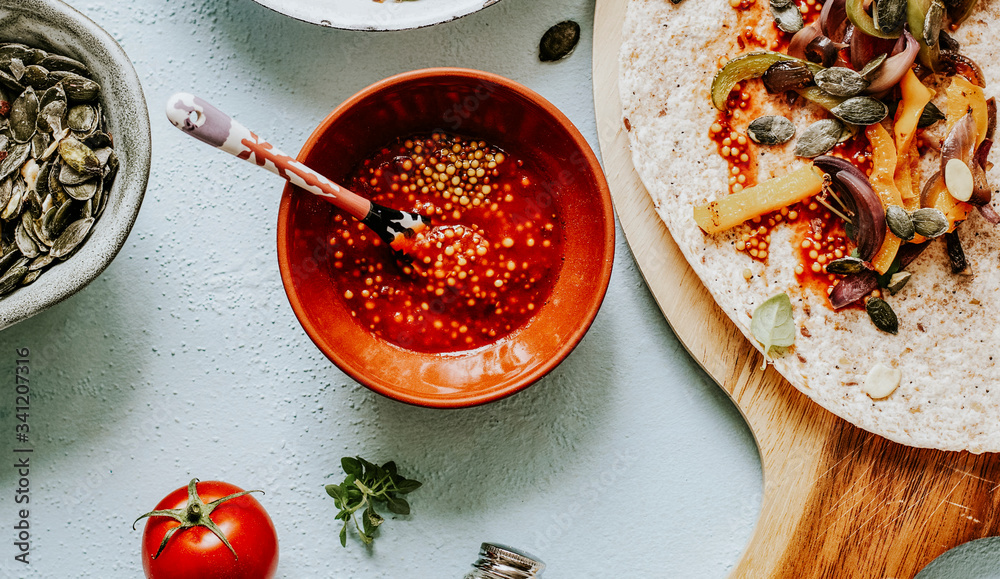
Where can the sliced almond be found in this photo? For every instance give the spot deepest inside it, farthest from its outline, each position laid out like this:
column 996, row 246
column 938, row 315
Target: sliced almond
column 882, row 381
column 958, row 179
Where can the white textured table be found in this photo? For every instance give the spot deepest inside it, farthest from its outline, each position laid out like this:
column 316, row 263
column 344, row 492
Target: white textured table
column 184, row 359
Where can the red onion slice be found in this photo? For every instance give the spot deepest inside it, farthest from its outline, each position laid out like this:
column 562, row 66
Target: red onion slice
column 981, row 191
column 895, row 67
column 989, row 214
column 864, row 48
column 832, row 17
column 856, row 286
column 869, row 221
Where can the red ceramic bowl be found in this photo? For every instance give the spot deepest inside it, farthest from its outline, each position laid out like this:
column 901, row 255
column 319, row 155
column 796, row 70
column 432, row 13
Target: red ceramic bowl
column 477, row 105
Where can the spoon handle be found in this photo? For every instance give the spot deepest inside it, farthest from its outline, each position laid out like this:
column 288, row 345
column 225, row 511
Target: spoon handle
column 208, row 124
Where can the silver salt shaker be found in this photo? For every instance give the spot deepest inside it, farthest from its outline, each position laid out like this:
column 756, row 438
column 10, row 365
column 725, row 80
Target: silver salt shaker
column 502, row 562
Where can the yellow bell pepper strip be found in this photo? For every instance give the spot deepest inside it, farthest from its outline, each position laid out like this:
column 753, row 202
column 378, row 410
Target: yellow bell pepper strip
column 907, row 177
column 881, row 179
column 771, row 195
column 915, row 98
column 962, row 96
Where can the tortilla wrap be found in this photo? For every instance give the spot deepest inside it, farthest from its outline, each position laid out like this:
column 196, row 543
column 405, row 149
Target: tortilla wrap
column 948, row 343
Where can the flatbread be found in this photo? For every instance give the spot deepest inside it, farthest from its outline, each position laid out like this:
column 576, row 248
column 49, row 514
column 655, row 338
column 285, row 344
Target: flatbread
column 949, row 337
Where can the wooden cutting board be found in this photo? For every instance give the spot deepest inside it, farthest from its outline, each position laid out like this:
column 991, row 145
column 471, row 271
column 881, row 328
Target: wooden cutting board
column 838, row 501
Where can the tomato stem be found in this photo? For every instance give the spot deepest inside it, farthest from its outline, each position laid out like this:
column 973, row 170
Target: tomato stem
column 196, row 513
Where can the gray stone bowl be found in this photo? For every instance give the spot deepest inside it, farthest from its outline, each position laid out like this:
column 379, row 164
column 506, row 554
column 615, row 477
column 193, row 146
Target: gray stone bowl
column 53, row 25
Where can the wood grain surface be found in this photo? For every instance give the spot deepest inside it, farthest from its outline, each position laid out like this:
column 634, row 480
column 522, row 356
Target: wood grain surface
column 838, row 501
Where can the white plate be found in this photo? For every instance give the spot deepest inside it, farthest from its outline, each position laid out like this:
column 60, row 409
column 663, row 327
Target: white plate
column 371, row 15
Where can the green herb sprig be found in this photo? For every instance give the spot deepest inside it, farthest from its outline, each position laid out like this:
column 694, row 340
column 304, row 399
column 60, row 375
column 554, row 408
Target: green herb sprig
column 366, row 484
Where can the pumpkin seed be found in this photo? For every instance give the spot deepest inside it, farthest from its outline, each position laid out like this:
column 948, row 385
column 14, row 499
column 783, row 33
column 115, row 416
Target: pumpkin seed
column 23, row 115
column 53, row 110
column 770, row 130
column 14, row 275
column 78, row 88
column 39, row 143
column 64, row 63
column 30, row 277
column 818, row 138
column 10, row 255
column 840, row 81
column 933, row 23
column 11, row 82
column 899, row 222
column 14, row 204
column 69, row 176
column 61, row 219
column 558, row 41
column 849, row 132
column 882, row 315
column 897, row 281
column 37, row 77
column 41, row 262
column 15, row 159
column 930, row 115
column 45, row 223
column 27, row 245
column 79, row 158
column 787, row 16
column 889, row 14
column 846, row 266
column 28, row 224
column 929, row 222
column 861, row 110
column 82, row 118
column 83, row 191
column 97, row 140
column 6, row 189
column 869, row 71
column 74, row 234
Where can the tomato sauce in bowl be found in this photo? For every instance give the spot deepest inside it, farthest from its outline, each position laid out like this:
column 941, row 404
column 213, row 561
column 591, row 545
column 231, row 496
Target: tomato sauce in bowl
column 564, row 188
column 451, row 296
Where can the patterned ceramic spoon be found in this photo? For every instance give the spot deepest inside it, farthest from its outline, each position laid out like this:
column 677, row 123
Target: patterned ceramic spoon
column 206, row 123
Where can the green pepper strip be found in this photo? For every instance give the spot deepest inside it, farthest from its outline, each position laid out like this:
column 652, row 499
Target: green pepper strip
column 751, row 65
column 820, row 97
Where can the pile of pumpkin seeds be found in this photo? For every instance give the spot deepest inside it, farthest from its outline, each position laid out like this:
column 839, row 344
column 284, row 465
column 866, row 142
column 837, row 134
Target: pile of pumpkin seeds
column 56, row 161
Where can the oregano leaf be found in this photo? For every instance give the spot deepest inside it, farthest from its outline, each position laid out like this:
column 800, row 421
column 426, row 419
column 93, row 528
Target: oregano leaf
column 352, row 466
column 772, row 324
column 398, row 506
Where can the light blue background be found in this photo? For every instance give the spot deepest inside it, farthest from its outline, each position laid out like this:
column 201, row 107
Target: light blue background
column 185, row 360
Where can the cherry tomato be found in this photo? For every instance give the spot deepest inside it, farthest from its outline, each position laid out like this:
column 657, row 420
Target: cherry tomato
column 195, row 550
